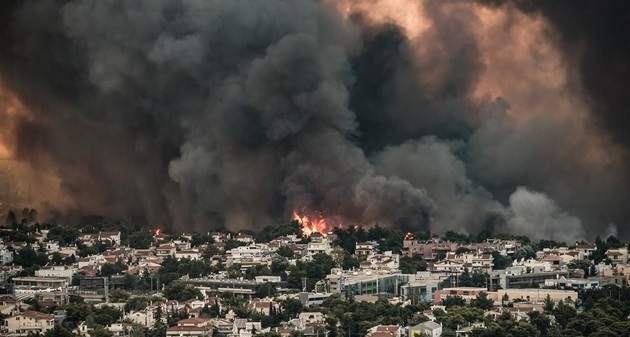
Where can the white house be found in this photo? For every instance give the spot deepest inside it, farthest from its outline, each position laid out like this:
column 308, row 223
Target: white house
column 191, row 254
column 29, row 321
column 6, row 256
column 191, row 327
column 56, row 271
column 310, row 317
column 428, row 328
column 113, row 237
column 144, row 318
column 51, row 247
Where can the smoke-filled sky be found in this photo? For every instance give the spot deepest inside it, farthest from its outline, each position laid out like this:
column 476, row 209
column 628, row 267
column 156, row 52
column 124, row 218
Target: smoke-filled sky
column 421, row 114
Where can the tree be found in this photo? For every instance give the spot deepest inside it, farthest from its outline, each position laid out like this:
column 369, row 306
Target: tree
column 291, row 308
column 279, row 266
column 286, row 251
column 465, row 279
column 159, row 328
column 58, row 331
column 500, row 262
column 505, row 299
column 524, row 253
column 136, row 303
column 141, row 239
column 201, row 239
column 117, row 295
column 540, row 321
column 482, row 302
column 348, row 262
column 564, row 313
column 581, row 264
column 312, row 271
column 273, row 231
column 412, row 265
column 108, row 270
column 455, row 300
column 462, row 250
column 181, row 292
column 28, row 257
column 548, row 304
column 11, row 219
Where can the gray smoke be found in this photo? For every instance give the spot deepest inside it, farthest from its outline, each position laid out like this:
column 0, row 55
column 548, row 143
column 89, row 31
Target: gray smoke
column 196, row 114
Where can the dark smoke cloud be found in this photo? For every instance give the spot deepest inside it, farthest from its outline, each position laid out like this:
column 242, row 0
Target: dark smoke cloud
column 594, row 38
column 195, row 114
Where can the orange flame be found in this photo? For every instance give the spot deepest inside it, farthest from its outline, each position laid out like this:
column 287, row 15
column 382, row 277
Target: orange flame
column 312, row 224
column 157, row 232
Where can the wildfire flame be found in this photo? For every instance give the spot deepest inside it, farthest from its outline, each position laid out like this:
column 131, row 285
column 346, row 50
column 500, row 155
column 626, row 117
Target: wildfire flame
column 312, row 224
column 157, row 232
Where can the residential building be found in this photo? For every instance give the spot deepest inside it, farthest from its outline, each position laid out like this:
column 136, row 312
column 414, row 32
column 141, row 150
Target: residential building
column 56, row 271
column 112, row 237
column 246, row 238
column 262, row 307
column 617, row 255
column 191, row 254
column 28, row 322
column 307, row 317
column 6, row 256
column 365, row 248
column 309, row 299
column 385, row 261
column 318, row 244
column 385, row 331
column 191, row 327
column 144, row 318
column 428, row 328
column 165, row 250
column 243, row 328
column 51, row 247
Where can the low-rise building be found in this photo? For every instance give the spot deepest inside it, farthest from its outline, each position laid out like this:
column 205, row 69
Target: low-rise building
column 28, row 322
column 618, row 255
column 307, row 317
column 572, row 283
column 191, row 254
column 428, row 328
column 111, row 237
column 467, row 293
column 53, row 289
column 165, row 250
column 533, row 295
column 309, row 299
column 319, row 244
column 6, row 256
column 191, row 327
column 56, row 271
column 385, row 331
column 365, row 248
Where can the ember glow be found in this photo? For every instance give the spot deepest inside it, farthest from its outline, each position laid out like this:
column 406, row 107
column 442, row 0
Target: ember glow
column 310, row 224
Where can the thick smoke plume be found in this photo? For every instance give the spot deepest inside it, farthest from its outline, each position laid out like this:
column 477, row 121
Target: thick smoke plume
column 201, row 113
